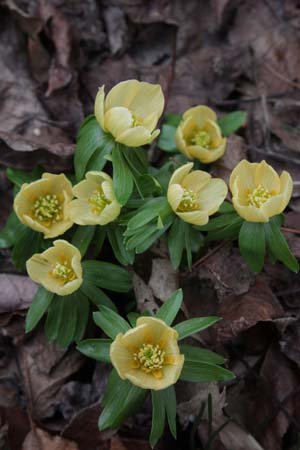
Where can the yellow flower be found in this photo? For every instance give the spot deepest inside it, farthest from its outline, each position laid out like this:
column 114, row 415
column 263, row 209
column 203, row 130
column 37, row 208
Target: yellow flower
column 148, row 355
column 58, row 268
column 258, row 193
column 96, row 203
column 199, row 136
column 195, row 196
column 41, row 205
column 130, row 111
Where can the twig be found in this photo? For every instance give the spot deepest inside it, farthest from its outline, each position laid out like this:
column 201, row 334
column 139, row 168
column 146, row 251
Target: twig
column 290, row 230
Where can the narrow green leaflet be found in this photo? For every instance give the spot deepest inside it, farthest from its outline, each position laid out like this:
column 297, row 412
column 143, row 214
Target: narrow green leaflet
column 54, row 318
column 40, row 303
column 122, row 176
column 96, row 295
column 252, row 244
column 146, row 213
column 137, row 159
column 187, row 241
column 229, row 231
column 192, row 326
column 198, row 354
column 173, row 119
column 82, row 304
column 91, row 139
column 121, row 400
column 9, row 234
column 168, row 311
column 95, row 348
column 158, row 417
column 83, row 237
column 68, row 321
column 110, row 322
column 169, row 396
column 176, row 241
column 19, row 177
column 98, row 239
column 153, row 237
column 220, row 222
column 116, row 239
column 231, row 122
column 28, row 243
column 166, row 139
column 276, row 242
column 107, row 276
column 201, row 372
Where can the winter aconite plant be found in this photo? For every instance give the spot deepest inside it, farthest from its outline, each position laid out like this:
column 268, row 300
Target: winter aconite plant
column 77, row 234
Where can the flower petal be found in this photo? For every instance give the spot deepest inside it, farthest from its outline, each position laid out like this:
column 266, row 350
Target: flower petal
column 200, row 114
column 174, row 196
column 122, row 94
column 272, row 206
column 117, row 120
column 180, row 173
column 99, row 107
column 180, row 142
column 135, row 338
column 137, row 136
column 154, row 327
column 205, row 155
column 212, row 195
column 84, row 189
column 214, row 131
column 148, row 100
column 196, row 180
column 249, row 213
column 286, row 188
column 120, row 356
column 194, row 217
column 266, row 176
column 245, row 170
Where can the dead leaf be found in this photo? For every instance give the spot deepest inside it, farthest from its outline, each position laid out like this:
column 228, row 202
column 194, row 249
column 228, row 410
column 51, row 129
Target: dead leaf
column 118, row 443
column 38, row 439
column 236, row 150
column 16, row 292
column 235, row 437
column 144, row 295
column 163, row 279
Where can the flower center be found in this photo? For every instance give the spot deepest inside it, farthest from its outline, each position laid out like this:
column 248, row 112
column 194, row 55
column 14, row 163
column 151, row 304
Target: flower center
column 63, row 272
column 98, row 201
column 189, row 201
column 258, row 196
column 201, row 138
column 136, row 120
column 47, row 209
column 150, row 358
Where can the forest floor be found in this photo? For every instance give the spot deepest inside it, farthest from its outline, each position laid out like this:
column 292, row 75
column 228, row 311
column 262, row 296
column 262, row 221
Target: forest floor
column 230, row 55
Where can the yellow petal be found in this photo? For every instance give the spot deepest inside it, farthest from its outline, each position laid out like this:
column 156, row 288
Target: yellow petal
column 117, row 120
column 58, row 184
column 200, row 114
column 194, row 217
column 137, row 136
column 272, row 206
column 214, row 131
column 249, row 213
column 109, row 213
column 97, row 176
column 180, row 173
column 196, row 180
column 245, row 171
column 174, row 195
column 120, row 356
column 212, row 195
column 266, row 176
column 99, row 107
column 154, row 327
column 69, row 287
column 57, row 229
column 84, row 189
column 80, row 213
column 122, row 94
column 150, row 122
column 180, row 142
column 205, row 155
column 134, row 338
column 286, row 188
column 148, row 100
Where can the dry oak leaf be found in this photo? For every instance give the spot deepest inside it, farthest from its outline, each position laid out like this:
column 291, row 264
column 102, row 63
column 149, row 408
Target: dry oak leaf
column 38, row 439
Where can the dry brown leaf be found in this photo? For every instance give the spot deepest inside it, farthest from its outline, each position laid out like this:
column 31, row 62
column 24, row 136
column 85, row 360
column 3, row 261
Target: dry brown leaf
column 235, row 437
column 38, row 439
column 236, row 150
column 118, row 443
column 144, row 295
column 16, row 292
column 163, row 279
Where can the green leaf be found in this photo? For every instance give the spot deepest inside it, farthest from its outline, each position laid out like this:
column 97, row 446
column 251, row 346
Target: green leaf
column 147, row 185
column 187, row 242
column 83, row 309
column 226, row 208
column 252, row 244
column 229, row 231
column 40, row 303
column 83, row 237
column 91, row 140
column 9, row 234
column 98, row 240
column 231, row 122
column 200, row 355
column 169, row 396
column 195, row 325
column 110, row 322
column 168, row 311
column 137, row 159
column 278, row 245
column 19, row 177
column 166, row 139
column 146, row 213
column 54, row 317
column 96, row 295
column 132, row 318
column 173, row 119
column 121, row 400
column 220, row 222
column 158, row 417
column 27, row 243
column 107, row 276
column 176, row 241
column 122, row 176
column 68, row 321
column 116, row 239
column 201, row 372
column 153, row 237
column 95, row 348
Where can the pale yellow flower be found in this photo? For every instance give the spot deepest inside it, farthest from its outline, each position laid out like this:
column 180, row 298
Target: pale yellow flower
column 41, row 205
column 96, row 203
column 194, row 196
column 258, row 193
column 198, row 136
column 58, row 269
column 148, row 355
column 130, row 111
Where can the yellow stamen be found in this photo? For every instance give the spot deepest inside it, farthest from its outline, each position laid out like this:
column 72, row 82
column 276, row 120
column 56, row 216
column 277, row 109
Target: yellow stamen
column 188, row 202
column 201, row 138
column 150, row 359
column 63, row 272
column 98, row 201
column 136, row 120
column 258, row 196
column 47, row 209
